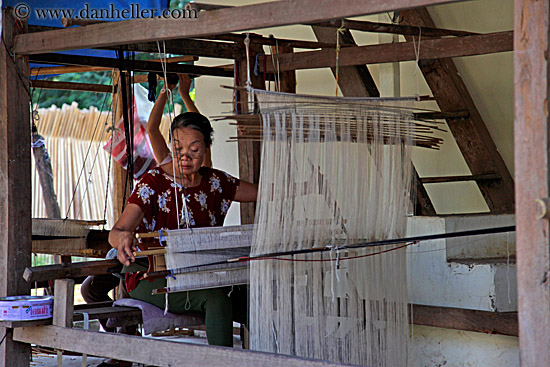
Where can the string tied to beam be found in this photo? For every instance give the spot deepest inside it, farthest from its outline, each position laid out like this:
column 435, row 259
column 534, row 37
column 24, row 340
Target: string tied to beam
column 339, row 31
column 417, row 61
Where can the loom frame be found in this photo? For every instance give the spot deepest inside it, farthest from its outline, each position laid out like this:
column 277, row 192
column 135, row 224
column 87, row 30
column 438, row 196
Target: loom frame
column 532, row 33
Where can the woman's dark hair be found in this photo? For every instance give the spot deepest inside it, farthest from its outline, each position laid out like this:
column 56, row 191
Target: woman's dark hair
column 195, row 121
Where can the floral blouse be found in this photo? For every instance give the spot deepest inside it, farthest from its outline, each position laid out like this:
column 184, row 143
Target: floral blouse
column 206, row 204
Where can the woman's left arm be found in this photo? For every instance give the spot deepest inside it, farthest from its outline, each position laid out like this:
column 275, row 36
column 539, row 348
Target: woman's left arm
column 246, row 192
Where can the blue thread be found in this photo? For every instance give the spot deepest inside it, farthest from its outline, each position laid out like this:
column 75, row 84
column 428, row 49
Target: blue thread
column 171, row 275
column 257, row 65
column 162, row 237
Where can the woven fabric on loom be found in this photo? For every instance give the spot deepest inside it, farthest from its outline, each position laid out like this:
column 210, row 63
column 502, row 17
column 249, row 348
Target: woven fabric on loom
column 334, row 172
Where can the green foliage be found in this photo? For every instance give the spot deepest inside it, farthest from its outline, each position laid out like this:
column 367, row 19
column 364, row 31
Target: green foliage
column 47, row 97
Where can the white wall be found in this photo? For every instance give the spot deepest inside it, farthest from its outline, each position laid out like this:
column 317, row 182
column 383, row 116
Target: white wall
column 436, row 347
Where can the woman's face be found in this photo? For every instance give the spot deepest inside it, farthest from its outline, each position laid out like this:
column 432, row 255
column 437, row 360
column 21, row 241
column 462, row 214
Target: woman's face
column 189, row 149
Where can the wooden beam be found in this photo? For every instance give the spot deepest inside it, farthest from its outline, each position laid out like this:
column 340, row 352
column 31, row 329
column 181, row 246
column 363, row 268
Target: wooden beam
column 258, row 16
column 65, row 70
column 366, row 26
column 167, row 353
column 394, row 52
column 471, row 134
column 82, row 69
column 270, row 41
column 532, row 157
column 86, row 87
column 15, row 178
column 477, row 178
column 224, row 50
column 504, row 323
column 155, row 352
column 249, row 151
column 63, row 302
column 70, row 270
column 138, row 65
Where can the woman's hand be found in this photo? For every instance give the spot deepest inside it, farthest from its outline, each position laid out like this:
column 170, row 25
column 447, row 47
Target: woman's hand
column 126, row 247
column 169, row 86
column 184, row 85
column 121, row 235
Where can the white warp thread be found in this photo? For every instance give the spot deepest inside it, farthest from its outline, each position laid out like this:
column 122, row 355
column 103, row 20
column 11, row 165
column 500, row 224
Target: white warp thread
column 332, row 174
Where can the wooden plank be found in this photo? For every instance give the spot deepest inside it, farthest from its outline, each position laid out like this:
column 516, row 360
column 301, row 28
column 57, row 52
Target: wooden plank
column 80, row 69
column 223, row 50
column 70, row 270
column 122, row 183
column 471, row 134
column 270, row 41
column 193, row 47
column 137, row 65
column 354, row 80
column 504, row 323
column 264, row 15
column 63, row 302
column 531, row 142
column 63, row 307
column 86, row 87
column 65, row 70
column 477, row 178
column 44, row 169
column 16, row 323
column 249, row 151
column 394, row 52
column 51, row 227
column 366, row 26
column 154, row 352
column 107, row 312
column 59, row 246
column 15, row 178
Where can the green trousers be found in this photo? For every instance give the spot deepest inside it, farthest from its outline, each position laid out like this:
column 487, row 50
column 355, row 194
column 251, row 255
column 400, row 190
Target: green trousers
column 221, row 306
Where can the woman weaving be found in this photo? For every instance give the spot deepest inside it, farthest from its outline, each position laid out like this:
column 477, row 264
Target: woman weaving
column 158, row 203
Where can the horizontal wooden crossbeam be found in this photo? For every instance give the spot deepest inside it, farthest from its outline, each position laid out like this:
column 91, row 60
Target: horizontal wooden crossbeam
column 86, row 87
column 395, row 52
column 258, row 16
column 462, row 178
column 504, row 323
column 137, row 65
column 152, row 351
column 392, row 28
column 71, row 270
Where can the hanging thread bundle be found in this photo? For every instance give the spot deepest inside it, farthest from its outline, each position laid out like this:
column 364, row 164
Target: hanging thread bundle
column 334, row 172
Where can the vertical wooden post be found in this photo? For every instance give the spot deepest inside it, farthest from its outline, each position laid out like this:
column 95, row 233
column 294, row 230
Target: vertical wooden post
column 532, row 177
column 15, row 179
column 63, row 307
column 249, row 152
column 119, row 174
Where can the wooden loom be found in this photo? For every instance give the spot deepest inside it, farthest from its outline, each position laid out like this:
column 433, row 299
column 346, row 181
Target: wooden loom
column 292, row 18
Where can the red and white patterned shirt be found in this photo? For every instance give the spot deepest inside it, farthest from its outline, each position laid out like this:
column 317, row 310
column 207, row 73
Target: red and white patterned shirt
column 207, row 204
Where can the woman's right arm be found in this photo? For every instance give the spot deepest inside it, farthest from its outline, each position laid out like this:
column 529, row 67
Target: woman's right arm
column 184, row 86
column 160, row 149
column 122, row 235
